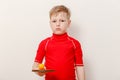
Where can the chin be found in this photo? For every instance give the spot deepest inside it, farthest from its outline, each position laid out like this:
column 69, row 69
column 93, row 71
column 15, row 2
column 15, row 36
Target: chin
column 59, row 33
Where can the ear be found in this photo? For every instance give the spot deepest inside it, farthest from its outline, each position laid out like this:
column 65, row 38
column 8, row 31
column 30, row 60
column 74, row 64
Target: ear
column 69, row 22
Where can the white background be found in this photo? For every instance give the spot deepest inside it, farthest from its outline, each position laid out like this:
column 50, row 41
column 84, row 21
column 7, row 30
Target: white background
column 95, row 23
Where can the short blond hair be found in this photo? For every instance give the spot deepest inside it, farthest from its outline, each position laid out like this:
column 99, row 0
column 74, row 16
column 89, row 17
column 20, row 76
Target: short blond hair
column 59, row 8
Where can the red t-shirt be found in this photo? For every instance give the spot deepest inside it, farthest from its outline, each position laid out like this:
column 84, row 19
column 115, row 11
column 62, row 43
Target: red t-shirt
column 62, row 53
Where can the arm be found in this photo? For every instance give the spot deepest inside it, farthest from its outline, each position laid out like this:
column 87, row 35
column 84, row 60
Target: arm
column 35, row 67
column 80, row 72
column 39, row 57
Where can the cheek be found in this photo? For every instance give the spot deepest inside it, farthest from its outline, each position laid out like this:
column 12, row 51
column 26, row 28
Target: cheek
column 65, row 25
column 52, row 26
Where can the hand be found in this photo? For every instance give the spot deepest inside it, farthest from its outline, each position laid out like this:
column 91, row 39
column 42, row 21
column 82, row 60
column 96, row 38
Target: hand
column 35, row 67
column 40, row 73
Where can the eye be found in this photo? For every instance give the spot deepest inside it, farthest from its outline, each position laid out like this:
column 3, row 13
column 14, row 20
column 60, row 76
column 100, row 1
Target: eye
column 54, row 21
column 62, row 20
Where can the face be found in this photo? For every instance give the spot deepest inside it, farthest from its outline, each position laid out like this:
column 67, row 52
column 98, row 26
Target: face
column 59, row 23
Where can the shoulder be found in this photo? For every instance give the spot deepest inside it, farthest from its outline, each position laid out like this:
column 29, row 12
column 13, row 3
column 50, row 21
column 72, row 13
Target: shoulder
column 76, row 43
column 44, row 41
column 74, row 40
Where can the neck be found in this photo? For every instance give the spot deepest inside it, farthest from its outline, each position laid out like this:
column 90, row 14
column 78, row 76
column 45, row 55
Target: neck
column 60, row 37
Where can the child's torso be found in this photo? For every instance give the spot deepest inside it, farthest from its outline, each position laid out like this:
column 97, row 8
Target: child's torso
column 60, row 57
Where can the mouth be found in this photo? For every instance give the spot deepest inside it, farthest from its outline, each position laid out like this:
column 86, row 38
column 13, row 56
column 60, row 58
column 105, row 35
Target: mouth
column 58, row 29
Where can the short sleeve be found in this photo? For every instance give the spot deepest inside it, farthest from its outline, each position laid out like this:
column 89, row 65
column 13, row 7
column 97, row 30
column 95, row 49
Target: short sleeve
column 78, row 54
column 40, row 52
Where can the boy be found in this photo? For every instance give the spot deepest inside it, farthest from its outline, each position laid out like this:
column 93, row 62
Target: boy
column 62, row 52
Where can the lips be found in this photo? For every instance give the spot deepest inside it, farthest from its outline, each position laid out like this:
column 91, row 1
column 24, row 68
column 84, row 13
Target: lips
column 58, row 29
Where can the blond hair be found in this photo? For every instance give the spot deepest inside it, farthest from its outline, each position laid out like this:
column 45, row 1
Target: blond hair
column 59, row 8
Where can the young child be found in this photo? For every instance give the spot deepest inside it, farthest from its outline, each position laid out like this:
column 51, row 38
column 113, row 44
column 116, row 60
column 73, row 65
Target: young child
column 62, row 52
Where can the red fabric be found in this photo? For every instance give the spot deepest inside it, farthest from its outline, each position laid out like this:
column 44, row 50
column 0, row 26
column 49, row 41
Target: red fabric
column 62, row 53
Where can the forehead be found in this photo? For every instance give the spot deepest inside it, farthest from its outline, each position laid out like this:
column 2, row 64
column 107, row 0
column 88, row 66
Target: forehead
column 59, row 15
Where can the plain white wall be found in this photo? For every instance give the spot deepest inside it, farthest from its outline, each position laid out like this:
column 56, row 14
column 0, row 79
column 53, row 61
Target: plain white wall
column 95, row 23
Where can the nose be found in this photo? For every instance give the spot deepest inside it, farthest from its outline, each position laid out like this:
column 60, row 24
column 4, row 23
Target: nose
column 58, row 23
